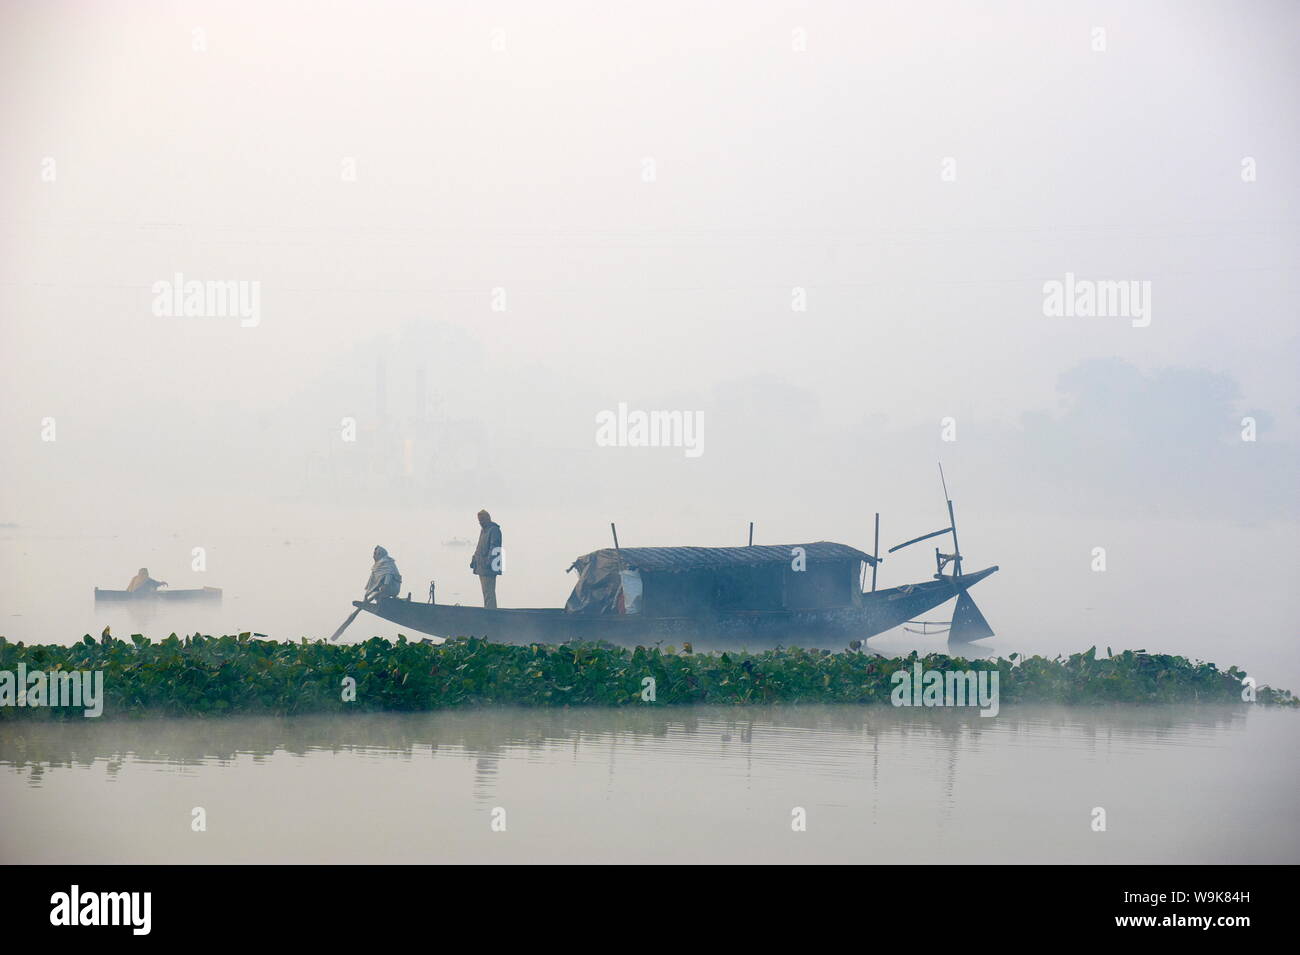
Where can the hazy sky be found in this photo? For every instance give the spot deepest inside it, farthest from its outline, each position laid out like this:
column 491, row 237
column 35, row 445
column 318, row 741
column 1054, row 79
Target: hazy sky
column 647, row 185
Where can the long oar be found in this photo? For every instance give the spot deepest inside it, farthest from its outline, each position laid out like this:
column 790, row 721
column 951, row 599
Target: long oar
column 346, row 623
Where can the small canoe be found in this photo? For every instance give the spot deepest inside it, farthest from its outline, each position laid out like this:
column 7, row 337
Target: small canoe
column 177, row 596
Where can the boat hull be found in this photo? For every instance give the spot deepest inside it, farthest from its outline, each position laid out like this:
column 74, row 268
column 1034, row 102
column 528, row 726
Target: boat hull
column 166, row 596
column 880, row 611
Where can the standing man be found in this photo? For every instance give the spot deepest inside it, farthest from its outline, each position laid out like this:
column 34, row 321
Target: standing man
column 486, row 562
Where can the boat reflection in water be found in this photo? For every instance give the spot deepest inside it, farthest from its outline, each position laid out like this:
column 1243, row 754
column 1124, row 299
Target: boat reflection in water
column 652, row 783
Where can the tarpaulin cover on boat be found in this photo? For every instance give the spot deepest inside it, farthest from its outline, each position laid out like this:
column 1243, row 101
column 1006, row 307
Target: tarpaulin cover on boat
column 599, row 582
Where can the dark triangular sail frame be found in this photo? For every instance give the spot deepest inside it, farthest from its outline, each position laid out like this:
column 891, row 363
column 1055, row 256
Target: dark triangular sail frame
column 968, row 623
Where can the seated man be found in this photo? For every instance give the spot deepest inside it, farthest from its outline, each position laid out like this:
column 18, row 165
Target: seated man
column 384, row 581
column 142, row 583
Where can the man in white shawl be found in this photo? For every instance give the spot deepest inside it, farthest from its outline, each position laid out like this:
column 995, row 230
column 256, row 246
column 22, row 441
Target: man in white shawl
column 384, row 581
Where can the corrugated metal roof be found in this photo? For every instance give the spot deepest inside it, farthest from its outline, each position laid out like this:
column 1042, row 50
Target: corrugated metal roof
column 654, row 559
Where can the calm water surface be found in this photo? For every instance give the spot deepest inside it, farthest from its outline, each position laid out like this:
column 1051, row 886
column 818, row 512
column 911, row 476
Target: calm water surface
column 878, row 784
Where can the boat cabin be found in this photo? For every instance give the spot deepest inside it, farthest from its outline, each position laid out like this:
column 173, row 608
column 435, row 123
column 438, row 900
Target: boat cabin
column 702, row 581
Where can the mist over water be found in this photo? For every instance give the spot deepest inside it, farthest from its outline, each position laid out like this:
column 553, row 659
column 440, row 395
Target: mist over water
column 825, row 232
column 464, row 259
column 879, row 785
column 289, row 579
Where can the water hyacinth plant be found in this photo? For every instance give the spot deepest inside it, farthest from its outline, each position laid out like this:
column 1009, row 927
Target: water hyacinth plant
column 206, row 676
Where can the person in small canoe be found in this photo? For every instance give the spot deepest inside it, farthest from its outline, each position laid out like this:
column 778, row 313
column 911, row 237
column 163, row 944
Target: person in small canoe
column 142, row 583
column 384, row 581
column 487, row 559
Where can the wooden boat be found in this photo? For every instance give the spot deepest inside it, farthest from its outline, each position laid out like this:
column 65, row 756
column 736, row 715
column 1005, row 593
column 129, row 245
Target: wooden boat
column 169, row 596
column 756, row 596
column 879, row 611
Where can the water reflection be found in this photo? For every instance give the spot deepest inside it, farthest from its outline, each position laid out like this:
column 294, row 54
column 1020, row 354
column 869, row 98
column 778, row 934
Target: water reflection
column 485, row 776
column 794, row 734
column 660, row 784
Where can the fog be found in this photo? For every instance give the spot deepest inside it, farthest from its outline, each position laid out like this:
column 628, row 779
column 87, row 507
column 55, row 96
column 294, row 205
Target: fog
column 825, row 229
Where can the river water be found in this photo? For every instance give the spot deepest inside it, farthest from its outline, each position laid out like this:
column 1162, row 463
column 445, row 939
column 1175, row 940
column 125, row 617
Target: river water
column 875, row 785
